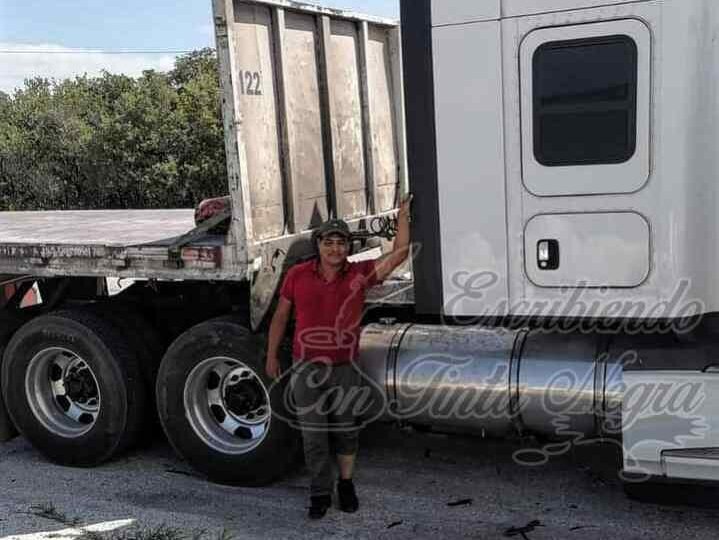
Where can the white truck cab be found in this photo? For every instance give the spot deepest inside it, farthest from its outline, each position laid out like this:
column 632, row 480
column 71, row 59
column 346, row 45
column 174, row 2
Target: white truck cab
column 563, row 157
column 574, row 149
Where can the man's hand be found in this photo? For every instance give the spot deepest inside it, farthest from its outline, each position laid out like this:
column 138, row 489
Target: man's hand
column 272, row 367
column 386, row 264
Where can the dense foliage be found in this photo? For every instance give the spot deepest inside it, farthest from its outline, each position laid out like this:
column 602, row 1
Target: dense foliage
column 114, row 141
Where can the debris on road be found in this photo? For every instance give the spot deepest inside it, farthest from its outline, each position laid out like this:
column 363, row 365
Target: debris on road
column 461, row 502
column 522, row 531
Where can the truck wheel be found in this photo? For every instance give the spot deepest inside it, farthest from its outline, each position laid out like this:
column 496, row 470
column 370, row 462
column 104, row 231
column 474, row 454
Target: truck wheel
column 139, row 334
column 219, row 409
column 10, row 321
column 73, row 388
column 142, row 339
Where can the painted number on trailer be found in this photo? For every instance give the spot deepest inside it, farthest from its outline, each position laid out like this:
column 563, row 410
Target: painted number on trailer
column 251, row 83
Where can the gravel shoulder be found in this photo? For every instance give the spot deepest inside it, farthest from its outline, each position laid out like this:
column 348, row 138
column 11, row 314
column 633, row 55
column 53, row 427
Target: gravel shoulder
column 411, row 485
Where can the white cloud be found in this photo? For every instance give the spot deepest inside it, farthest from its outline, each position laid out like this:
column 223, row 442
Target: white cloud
column 61, row 63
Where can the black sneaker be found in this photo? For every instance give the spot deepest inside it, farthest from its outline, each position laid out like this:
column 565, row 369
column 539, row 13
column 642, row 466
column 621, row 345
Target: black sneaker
column 348, row 497
column 319, row 504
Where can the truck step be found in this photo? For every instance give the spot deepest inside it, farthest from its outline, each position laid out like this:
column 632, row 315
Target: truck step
column 692, row 464
column 693, row 453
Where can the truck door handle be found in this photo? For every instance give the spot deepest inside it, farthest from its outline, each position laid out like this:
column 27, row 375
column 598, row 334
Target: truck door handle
column 548, row 254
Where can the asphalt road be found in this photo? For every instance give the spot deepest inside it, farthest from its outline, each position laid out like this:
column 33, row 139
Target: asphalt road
column 411, row 485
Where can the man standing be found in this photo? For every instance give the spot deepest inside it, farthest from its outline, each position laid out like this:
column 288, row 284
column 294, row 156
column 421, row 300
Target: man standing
column 328, row 295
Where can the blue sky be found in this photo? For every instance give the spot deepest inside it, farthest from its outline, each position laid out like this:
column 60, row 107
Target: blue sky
column 130, row 24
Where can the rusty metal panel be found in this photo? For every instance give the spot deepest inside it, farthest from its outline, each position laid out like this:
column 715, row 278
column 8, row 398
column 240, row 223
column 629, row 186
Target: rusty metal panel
column 258, row 103
column 304, row 117
column 346, row 118
column 384, row 131
column 316, row 120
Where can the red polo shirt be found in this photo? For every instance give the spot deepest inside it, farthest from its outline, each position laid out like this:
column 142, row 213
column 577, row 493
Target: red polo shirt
column 328, row 313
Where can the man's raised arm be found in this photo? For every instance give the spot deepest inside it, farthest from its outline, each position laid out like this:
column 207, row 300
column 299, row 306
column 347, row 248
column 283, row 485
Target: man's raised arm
column 386, row 264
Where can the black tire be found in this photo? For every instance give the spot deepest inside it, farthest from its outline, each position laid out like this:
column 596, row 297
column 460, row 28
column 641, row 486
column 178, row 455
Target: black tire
column 143, row 339
column 10, row 322
column 224, row 337
column 122, row 394
column 140, row 335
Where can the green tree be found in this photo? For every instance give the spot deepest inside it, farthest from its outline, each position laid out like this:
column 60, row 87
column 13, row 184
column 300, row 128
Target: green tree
column 114, row 141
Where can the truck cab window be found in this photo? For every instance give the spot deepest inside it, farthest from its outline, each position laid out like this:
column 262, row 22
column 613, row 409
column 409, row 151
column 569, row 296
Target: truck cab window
column 585, row 101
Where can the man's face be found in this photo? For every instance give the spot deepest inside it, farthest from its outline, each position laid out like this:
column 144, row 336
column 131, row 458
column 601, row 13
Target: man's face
column 334, row 249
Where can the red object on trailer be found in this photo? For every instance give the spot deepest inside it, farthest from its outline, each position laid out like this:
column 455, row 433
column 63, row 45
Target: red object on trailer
column 30, row 298
column 209, row 208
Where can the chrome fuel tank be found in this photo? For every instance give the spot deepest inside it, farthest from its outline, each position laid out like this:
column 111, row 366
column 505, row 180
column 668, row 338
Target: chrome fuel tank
column 490, row 379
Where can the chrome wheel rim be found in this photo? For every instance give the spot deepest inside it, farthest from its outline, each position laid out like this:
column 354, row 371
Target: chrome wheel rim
column 62, row 392
column 227, row 405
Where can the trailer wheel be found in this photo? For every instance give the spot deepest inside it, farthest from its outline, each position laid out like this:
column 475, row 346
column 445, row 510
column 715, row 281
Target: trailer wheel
column 73, row 388
column 220, row 411
column 139, row 334
column 144, row 342
column 10, row 321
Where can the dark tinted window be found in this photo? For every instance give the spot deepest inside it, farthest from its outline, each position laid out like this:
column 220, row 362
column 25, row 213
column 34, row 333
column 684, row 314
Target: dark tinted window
column 585, row 101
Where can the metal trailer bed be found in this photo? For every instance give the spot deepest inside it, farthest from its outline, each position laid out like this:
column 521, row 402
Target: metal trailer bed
column 121, row 243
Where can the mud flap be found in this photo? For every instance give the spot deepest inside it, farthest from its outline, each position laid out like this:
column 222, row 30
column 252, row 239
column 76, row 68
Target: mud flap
column 269, row 268
column 264, row 285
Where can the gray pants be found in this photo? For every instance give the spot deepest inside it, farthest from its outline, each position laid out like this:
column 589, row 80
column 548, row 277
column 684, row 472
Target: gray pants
column 323, row 397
